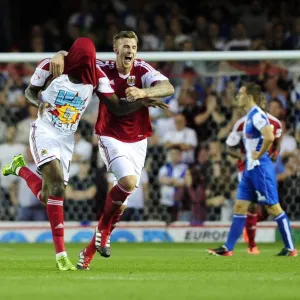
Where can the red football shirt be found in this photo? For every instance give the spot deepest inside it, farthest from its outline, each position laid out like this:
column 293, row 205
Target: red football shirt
column 236, row 135
column 137, row 125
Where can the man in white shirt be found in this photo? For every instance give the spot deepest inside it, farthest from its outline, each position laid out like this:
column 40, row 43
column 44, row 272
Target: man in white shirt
column 82, row 152
column 183, row 137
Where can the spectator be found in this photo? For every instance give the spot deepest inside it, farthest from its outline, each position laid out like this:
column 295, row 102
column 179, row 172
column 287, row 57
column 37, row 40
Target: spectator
column 82, row 152
column 23, row 127
column 7, row 184
column 171, row 177
column 183, row 137
column 191, row 198
column 240, row 40
column 288, row 143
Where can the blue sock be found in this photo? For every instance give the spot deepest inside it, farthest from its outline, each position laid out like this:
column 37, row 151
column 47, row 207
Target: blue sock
column 285, row 230
column 236, row 229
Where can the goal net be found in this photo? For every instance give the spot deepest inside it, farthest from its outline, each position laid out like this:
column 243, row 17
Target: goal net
column 206, row 85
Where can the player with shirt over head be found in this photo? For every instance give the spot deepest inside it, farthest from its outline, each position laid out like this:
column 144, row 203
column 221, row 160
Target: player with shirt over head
column 122, row 140
column 52, row 134
column 258, row 182
column 235, row 148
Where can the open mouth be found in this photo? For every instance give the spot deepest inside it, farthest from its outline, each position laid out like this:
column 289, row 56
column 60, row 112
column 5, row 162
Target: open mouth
column 128, row 59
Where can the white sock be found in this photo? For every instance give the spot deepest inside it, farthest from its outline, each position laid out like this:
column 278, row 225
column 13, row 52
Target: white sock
column 58, row 255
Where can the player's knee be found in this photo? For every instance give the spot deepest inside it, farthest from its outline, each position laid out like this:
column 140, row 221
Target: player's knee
column 128, row 182
column 56, row 187
column 275, row 210
column 241, row 207
column 122, row 208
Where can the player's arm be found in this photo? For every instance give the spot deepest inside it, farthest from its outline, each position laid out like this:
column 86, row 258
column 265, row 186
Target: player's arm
column 275, row 149
column 32, row 95
column 159, row 89
column 268, row 139
column 41, row 78
column 121, row 108
column 232, row 142
column 57, row 63
column 234, row 152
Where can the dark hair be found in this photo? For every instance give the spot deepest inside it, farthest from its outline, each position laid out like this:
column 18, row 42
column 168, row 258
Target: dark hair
column 175, row 148
column 277, row 101
column 254, row 90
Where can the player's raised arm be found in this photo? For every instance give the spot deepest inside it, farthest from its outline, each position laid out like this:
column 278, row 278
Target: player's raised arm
column 57, row 63
column 38, row 82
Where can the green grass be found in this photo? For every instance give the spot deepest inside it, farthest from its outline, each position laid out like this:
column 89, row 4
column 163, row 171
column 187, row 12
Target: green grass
column 149, row 271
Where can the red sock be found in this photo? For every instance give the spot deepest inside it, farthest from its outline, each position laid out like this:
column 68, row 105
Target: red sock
column 91, row 249
column 55, row 211
column 33, row 181
column 115, row 220
column 114, row 200
column 251, row 229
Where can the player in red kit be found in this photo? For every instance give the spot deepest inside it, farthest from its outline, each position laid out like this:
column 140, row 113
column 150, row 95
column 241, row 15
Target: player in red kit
column 234, row 141
column 122, row 140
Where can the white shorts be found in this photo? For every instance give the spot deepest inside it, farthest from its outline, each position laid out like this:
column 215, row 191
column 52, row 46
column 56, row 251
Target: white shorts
column 133, row 156
column 47, row 144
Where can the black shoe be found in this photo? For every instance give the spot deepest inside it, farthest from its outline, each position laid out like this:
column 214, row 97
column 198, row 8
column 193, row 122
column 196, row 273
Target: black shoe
column 222, row 251
column 287, row 252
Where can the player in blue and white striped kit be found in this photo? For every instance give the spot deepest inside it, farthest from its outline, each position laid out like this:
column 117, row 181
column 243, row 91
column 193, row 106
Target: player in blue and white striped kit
column 258, row 183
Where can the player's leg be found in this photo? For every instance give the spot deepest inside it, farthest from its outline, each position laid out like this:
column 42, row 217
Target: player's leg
column 267, row 194
column 250, row 228
column 40, row 143
column 125, row 174
column 113, row 153
column 18, row 167
column 284, row 227
column 125, row 161
column 53, row 176
column 244, row 194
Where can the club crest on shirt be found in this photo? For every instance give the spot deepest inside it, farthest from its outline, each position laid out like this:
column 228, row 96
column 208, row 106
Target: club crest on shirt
column 44, row 152
column 131, row 80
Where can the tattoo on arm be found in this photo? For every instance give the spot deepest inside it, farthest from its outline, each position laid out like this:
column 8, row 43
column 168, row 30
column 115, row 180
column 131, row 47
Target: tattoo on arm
column 162, row 89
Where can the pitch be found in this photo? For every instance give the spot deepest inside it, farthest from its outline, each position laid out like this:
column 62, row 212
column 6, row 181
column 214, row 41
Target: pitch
column 149, row 272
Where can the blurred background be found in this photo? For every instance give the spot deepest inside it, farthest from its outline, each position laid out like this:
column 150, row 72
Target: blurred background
column 201, row 114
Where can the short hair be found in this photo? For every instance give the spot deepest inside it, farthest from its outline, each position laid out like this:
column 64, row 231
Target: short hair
column 254, row 90
column 262, row 101
column 175, row 148
column 125, row 35
column 277, row 101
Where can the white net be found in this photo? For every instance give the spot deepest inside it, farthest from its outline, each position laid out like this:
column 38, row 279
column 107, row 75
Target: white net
column 205, row 100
